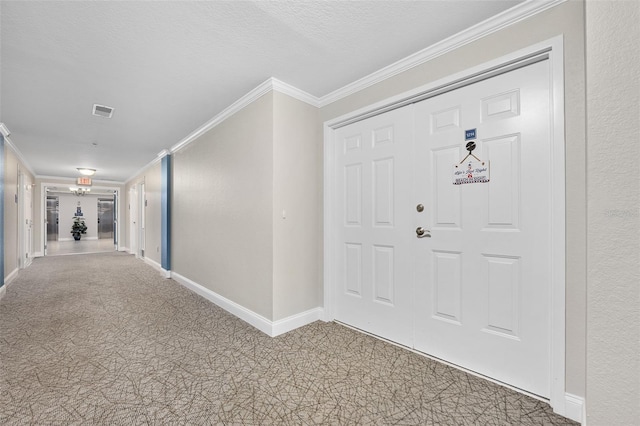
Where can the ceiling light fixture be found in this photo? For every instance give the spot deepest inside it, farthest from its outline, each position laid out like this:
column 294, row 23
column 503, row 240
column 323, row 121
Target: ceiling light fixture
column 86, row 172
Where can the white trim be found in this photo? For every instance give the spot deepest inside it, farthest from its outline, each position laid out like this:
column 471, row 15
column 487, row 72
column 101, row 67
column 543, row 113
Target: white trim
column 155, row 265
column 554, row 48
column 12, row 276
column 144, row 168
column 295, row 321
column 294, row 92
column 558, row 227
column 574, row 407
column 4, row 130
column 3, row 291
column 255, row 94
column 124, row 249
column 38, row 254
column 330, row 223
column 271, row 328
column 18, row 154
column 495, row 23
column 508, row 17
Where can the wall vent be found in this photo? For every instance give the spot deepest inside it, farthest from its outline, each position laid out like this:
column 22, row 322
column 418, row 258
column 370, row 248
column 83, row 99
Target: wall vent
column 102, row 111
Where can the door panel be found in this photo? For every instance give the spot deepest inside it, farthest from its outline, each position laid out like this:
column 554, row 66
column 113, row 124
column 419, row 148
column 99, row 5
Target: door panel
column 373, row 255
column 482, row 279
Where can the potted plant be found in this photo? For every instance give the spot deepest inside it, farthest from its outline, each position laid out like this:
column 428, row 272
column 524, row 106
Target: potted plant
column 78, row 227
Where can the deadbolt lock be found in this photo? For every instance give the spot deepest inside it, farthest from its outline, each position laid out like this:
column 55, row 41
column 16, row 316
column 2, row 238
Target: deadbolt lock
column 420, row 208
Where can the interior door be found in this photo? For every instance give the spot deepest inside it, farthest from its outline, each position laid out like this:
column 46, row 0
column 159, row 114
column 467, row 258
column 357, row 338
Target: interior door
column 483, row 278
column 373, row 251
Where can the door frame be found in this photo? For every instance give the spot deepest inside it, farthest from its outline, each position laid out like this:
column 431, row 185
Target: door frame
column 137, row 218
column 43, row 209
column 25, row 247
column 553, row 50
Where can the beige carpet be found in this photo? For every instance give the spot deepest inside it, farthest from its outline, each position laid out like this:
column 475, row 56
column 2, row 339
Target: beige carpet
column 103, row 339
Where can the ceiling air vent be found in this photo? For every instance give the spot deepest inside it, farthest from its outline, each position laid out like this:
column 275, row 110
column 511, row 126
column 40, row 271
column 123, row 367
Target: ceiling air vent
column 102, row 111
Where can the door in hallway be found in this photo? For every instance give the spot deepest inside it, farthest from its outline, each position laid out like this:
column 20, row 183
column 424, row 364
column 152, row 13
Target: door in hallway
column 474, row 288
column 482, row 281
column 105, row 218
column 374, row 250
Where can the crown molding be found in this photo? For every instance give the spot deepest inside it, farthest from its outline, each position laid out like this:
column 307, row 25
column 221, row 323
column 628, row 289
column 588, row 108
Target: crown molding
column 235, row 107
column 267, row 86
column 18, row 154
column 157, row 160
column 4, row 130
column 509, row 17
column 294, row 92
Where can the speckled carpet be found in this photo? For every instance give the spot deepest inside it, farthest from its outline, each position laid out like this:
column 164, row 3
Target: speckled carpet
column 103, row 339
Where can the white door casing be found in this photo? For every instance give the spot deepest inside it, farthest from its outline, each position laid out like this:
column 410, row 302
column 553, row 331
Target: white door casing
column 482, row 281
column 133, row 220
column 552, row 50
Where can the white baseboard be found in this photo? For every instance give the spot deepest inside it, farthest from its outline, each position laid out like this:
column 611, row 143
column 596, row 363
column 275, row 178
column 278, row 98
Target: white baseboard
column 10, row 277
column 271, row 328
column 7, row 281
column 573, row 407
column 295, row 321
column 157, row 266
column 125, row 249
column 38, row 254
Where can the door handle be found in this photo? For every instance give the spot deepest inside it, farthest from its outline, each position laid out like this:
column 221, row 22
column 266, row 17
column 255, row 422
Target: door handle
column 422, row 233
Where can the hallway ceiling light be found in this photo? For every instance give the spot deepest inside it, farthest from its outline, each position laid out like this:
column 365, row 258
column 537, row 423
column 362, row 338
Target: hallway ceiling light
column 86, row 172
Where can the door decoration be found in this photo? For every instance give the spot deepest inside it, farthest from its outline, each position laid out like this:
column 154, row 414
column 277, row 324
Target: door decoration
column 471, row 171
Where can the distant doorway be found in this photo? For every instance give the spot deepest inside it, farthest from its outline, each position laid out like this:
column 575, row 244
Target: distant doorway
column 105, row 218
column 53, row 220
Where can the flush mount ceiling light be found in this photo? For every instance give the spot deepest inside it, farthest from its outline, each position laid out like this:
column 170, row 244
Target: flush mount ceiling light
column 102, row 111
column 86, row 172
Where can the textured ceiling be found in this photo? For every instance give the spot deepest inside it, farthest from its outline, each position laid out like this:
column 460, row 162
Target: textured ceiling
column 168, row 67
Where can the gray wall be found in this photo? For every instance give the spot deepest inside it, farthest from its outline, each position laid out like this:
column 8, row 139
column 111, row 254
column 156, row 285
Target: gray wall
column 296, row 178
column 613, row 191
column 222, row 236
column 566, row 19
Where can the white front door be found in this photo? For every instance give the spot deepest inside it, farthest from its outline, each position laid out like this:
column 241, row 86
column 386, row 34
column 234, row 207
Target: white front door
column 475, row 293
column 483, row 278
column 374, row 256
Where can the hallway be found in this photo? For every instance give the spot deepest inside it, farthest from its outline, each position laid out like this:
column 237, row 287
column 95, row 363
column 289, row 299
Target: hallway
column 58, row 248
column 103, row 339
